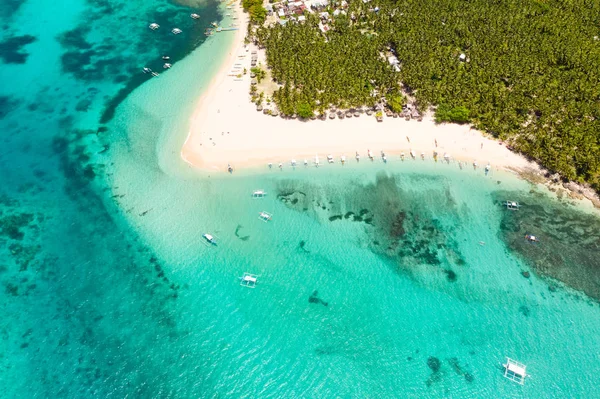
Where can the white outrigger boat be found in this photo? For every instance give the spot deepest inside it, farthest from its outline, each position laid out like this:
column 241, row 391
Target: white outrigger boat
column 402, row 156
column 293, row 162
column 412, row 154
column 343, row 159
column 423, row 156
column 512, row 205
column 370, row 155
column 259, row 194
column 305, row 162
column 357, row 156
column 515, row 371
column 195, row 16
column 167, row 65
column 265, row 216
column 209, row 239
column 330, row 158
column 248, row 280
column 154, row 26
column 176, row 31
column 147, row 70
column 317, row 161
column 383, row 157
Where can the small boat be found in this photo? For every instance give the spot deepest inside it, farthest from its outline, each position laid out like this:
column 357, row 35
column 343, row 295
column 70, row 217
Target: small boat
column 487, row 168
column 166, row 57
column 195, row 16
column 402, row 156
column 317, row 161
column 155, row 73
column 229, row 168
column 293, row 162
column 330, row 158
column 208, row 32
column 270, row 165
column 147, row 70
column 512, row 205
column 357, row 156
column 176, row 31
column 167, row 65
column 259, row 194
column 447, row 157
column 214, row 24
column 265, row 216
column 343, row 159
column 383, row 157
column 248, row 280
column 370, row 154
column 475, row 165
column 423, row 156
column 209, row 239
column 305, row 162
column 412, row 154
column 531, row 238
column 280, row 166
column 219, row 29
column 154, row 26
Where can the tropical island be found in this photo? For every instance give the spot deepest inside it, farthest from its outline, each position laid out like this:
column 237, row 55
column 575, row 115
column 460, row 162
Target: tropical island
column 527, row 73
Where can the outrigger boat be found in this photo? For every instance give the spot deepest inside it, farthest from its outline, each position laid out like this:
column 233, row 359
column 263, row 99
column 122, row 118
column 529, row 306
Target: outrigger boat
column 512, row 205
column 423, row 156
column 305, row 162
column 370, row 154
column 293, row 162
column 209, row 239
column 402, row 156
column 195, row 16
column 487, row 168
column 154, row 26
column 412, row 154
column 343, row 159
column 155, row 73
column 166, row 57
column 259, row 194
column 383, row 157
column 330, row 158
column 265, row 216
column 176, row 31
column 515, row 371
column 167, row 65
column 317, row 161
column 357, row 156
column 147, row 70
column 248, row 280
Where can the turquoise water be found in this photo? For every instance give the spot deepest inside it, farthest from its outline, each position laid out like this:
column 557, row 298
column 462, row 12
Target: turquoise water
column 372, row 280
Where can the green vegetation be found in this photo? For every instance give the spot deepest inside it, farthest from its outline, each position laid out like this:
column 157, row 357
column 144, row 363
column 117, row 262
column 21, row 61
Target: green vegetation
column 395, row 102
column 304, row 110
column 255, row 9
column 259, row 73
column 531, row 75
column 446, row 114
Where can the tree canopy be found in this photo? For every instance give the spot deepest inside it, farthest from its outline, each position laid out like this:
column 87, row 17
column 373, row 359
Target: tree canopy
column 526, row 71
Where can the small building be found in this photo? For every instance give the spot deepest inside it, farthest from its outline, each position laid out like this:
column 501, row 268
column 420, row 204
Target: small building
column 462, row 57
column 301, row 18
column 324, row 15
column 281, row 13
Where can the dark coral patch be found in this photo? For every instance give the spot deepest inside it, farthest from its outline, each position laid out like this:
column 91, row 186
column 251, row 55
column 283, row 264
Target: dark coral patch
column 11, row 49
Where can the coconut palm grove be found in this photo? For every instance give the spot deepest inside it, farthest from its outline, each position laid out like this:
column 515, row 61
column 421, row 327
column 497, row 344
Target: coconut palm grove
column 525, row 71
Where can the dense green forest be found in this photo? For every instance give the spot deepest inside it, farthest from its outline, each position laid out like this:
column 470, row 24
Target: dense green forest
column 531, row 73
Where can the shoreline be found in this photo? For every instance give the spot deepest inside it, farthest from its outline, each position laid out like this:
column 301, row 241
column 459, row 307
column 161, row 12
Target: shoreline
column 226, row 129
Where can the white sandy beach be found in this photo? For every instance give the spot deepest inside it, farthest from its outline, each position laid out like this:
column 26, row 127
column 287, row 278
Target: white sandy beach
column 227, row 129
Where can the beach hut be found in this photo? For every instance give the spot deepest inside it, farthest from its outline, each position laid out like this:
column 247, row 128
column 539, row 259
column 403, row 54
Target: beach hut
column 274, row 112
column 259, row 108
column 253, row 82
column 331, row 116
